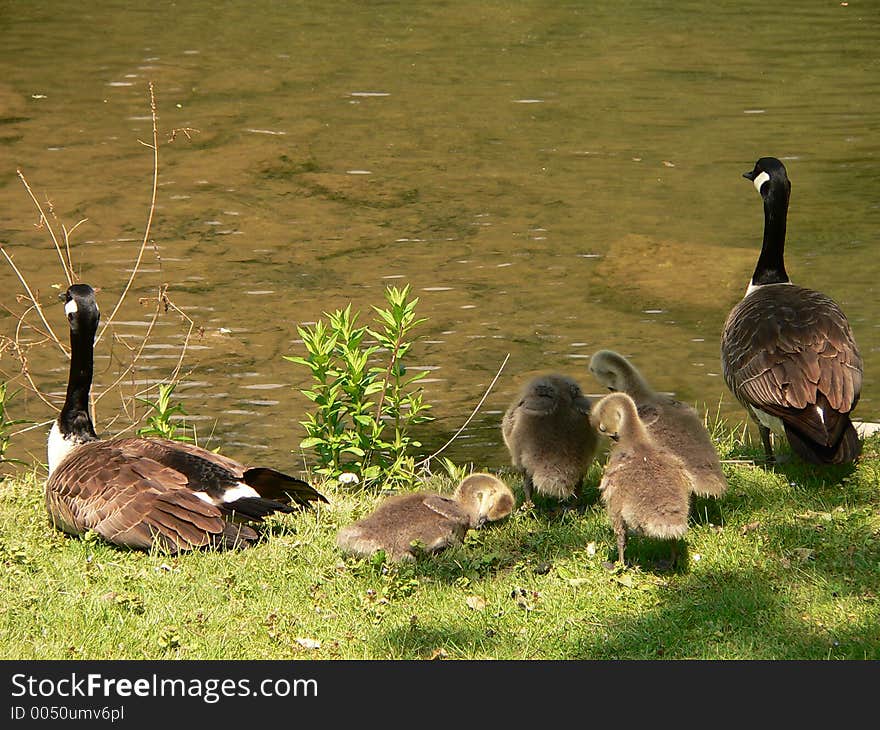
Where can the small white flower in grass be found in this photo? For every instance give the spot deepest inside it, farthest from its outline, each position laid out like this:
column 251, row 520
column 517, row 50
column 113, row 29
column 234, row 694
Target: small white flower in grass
column 309, row 643
column 349, row 478
column 697, row 557
column 591, row 549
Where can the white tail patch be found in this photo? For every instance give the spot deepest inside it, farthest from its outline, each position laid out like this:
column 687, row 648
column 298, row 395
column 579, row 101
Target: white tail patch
column 230, row 495
column 821, row 414
column 760, row 180
column 70, row 307
column 238, row 491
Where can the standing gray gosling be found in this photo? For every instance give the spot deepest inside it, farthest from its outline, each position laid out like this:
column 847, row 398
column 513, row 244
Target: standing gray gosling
column 645, row 488
column 674, row 425
column 548, row 433
column 406, row 524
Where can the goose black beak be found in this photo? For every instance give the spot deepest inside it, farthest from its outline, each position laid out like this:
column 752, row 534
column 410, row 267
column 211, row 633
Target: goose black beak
column 750, row 175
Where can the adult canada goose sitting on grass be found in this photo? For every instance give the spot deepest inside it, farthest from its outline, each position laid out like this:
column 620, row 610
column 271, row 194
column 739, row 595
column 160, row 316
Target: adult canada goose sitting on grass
column 788, row 353
column 140, row 492
column 548, row 433
column 673, row 425
column 645, row 488
column 405, row 524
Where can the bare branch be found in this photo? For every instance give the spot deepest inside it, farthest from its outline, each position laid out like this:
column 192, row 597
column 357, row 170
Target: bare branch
column 140, row 255
column 426, row 461
column 33, row 299
column 45, row 221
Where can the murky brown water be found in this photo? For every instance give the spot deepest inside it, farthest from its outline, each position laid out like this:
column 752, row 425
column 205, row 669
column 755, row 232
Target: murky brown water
column 551, row 178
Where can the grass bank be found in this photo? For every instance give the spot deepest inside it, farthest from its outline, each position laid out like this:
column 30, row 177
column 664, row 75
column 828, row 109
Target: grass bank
column 785, row 566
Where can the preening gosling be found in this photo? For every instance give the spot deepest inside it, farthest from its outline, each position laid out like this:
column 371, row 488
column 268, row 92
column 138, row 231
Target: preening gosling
column 645, row 488
column 548, row 433
column 141, row 492
column 788, row 353
column 426, row 522
column 674, row 425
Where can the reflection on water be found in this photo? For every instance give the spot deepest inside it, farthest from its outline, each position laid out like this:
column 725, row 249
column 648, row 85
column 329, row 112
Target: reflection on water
column 551, row 179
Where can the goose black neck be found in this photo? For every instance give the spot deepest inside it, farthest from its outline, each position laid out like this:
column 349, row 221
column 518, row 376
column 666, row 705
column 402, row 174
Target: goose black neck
column 74, row 419
column 771, row 263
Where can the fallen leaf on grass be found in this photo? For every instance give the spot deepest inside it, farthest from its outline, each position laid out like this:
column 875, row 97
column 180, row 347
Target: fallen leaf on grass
column 308, row 643
column 438, row 654
column 751, row 527
column 804, row 554
column 625, row 580
column 477, row 603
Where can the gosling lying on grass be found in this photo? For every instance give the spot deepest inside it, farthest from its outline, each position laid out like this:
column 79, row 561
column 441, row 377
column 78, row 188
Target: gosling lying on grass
column 645, row 488
column 548, row 433
column 426, row 522
column 674, row 425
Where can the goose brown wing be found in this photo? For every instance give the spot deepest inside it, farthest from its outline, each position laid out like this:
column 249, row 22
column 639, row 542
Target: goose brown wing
column 134, row 502
column 784, row 349
column 204, row 470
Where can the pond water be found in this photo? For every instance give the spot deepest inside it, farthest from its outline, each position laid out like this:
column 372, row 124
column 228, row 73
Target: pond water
column 551, row 178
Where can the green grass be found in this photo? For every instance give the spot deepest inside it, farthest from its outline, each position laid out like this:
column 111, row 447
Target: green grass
column 785, row 566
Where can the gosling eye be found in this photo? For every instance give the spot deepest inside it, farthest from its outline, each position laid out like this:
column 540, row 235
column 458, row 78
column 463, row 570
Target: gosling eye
column 602, row 427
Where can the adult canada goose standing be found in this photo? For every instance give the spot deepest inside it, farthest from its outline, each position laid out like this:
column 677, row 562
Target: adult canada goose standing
column 405, row 524
column 788, row 353
column 674, row 425
column 548, row 433
column 645, row 488
column 140, row 492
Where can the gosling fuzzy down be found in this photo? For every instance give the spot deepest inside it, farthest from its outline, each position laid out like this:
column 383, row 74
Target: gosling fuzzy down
column 427, row 522
column 645, row 488
column 548, row 433
column 674, row 425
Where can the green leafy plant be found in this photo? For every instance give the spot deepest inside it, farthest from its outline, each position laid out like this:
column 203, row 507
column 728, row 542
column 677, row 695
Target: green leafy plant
column 365, row 401
column 160, row 422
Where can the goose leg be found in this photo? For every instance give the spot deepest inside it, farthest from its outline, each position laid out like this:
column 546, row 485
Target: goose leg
column 765, row 439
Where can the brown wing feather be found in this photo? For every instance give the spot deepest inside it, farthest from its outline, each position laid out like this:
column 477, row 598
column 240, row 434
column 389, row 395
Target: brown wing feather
column 126, row 498
column 786, row 349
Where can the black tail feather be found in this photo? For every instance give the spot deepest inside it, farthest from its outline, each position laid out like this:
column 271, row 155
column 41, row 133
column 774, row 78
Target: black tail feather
column 255, row 508
column 280, row 487
column 843, row 451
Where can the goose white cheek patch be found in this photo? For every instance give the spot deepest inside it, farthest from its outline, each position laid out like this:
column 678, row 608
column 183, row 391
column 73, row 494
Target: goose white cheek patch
column 70, row 307
column 760, row 180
